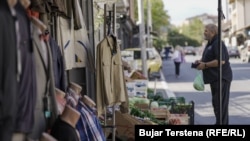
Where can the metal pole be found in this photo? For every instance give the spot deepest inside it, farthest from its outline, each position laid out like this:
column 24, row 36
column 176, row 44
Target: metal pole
column 155, row 86
column 149, row 24
column 113, row 108
column 220, row 58
column 142, row 35
column 148, row 31
column 90, row 76
column 105, row 21
column 114, row 19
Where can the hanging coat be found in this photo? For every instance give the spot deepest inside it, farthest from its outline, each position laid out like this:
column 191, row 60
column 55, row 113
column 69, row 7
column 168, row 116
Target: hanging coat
column 110, row 88
column 45, row 85
column 8, row 72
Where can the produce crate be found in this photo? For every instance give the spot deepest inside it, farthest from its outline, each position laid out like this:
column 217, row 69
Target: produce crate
column 178, row 119
column 160, row 113
column 142, row 107
column 184, row 108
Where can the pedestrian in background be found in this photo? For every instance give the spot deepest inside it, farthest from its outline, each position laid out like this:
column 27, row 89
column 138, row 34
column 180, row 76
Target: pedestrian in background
column 209, row 66
column 178, row 58
column 167, row 50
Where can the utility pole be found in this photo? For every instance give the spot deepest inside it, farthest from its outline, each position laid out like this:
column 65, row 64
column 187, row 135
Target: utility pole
column 149, row 23
column 220, row 16
column 142, row 37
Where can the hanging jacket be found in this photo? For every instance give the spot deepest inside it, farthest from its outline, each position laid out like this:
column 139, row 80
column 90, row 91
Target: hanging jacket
column 45, row 86
column 110, row 88
column 58, row 65
column 8, row 72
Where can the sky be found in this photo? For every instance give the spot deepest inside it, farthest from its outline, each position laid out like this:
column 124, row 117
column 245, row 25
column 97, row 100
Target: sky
column 179, row 10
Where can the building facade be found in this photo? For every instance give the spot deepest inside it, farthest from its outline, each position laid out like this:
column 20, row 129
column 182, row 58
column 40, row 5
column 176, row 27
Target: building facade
column 237, row 28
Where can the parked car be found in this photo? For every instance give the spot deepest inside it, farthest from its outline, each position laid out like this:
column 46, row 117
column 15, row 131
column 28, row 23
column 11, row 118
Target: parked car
column 154, row 60
column 189, row 50
column 233, row 51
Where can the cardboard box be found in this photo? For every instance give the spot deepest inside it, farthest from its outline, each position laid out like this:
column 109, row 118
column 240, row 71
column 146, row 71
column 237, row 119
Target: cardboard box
column 141, row 93
column 130, row 88
column 125, row 124
column 135, row 74
column 141, row 85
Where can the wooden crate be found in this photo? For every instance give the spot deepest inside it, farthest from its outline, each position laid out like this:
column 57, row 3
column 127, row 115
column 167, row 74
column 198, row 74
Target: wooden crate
column 142, row 107
column 160, row 113
column 178, row 119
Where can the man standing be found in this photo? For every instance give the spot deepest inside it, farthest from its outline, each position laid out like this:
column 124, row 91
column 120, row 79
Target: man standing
column 210, row 67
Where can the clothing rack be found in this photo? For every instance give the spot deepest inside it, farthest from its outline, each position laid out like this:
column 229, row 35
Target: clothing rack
column 110, row 29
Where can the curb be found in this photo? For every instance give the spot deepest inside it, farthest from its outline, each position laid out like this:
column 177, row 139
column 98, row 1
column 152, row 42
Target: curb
column 161, row 84
column 165, row 85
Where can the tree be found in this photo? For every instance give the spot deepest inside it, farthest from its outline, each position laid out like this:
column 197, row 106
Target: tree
column 160, row 16
column 194, row 30
column 175, row 38
column 160, row 19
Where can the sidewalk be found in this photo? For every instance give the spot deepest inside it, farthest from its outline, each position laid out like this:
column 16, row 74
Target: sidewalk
column 161, row 86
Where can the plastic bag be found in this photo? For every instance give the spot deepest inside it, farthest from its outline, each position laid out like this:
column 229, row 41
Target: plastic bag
column 198, row 83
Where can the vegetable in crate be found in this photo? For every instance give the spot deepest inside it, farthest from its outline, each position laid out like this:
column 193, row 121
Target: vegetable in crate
column 154, row 104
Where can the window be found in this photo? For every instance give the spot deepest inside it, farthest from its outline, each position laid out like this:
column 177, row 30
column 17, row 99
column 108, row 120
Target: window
column 150, row 54
column 137, row 54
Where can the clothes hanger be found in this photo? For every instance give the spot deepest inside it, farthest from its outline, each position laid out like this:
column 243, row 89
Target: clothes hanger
column 109, row 21
column 110, row 34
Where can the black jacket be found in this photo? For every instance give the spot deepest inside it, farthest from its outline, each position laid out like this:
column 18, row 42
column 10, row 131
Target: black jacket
column 211, row 52
column 8, row 72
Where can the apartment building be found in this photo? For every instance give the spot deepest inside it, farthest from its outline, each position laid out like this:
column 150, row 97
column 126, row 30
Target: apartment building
column 239, row 29
column 204, row 18
column 239, row 15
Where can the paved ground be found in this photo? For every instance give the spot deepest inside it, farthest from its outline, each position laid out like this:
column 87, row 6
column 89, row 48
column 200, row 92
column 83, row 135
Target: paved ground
column 160, row 85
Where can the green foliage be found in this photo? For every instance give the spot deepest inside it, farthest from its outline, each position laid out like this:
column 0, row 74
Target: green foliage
column 159, row 16
column 194, row 30
column 159, row 43
column 181, row 108
column 145, row 114
column 175, row 38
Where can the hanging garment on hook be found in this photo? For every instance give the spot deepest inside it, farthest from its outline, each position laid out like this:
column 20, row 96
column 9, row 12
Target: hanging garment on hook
column 110, row 79
column 74, row 44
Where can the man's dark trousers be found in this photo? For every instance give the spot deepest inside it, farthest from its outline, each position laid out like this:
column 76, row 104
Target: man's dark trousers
column 224, row 99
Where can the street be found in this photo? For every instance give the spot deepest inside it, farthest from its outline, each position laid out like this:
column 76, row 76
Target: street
column 239, row 105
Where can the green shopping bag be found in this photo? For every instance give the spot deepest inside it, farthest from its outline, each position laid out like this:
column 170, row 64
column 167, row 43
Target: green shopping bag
column 198, row 83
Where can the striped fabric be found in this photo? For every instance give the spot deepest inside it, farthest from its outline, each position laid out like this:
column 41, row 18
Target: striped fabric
column 88, row 125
